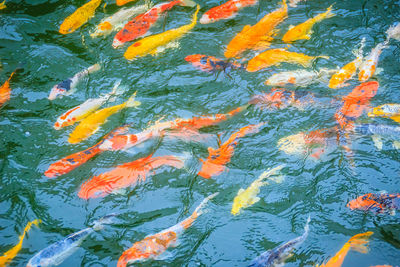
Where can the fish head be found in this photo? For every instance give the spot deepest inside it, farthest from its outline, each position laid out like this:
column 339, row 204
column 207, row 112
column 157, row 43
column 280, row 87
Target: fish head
column 69, row 26
column 210, row 169
column 293, row 144
column 117, row 43
column 364, row 202
column 206, row 19
column 55, row 92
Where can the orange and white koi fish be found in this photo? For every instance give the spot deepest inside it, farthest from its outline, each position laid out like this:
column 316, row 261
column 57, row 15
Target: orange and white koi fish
column 347, row 71
column 358, row 243
column 123, row 2
column 227, row 10
column 376, row 203
column 140, row 25
column 277, row 56
column 3, row 5
column 91, row 123
column 258, row 36
column 368, row 66
column 80, row 112
column 154, row 245
column 69, row 163
column 393, row 32
column 210, row 63
column 10, row 254
column 304, row 30
column 79, row 17
column 298, row 77
column 126, row 175
column 5, row 90
column 281, row 98
column 218, row 158
column 391, row 111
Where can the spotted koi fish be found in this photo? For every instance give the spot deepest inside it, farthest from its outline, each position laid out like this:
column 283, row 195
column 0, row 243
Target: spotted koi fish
column 155, row 245
column 368, row 66
column 225, row 11
column 5, row 90
column 391, row 111
column 298, row 77
column 282, row 98
column 140, row 25
column 210, row 63
column 376, row 203
column 218, row 158
column 125, row 175
column 79, row 17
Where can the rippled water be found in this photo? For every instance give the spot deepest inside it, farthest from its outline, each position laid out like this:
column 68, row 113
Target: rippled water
column 169, row 87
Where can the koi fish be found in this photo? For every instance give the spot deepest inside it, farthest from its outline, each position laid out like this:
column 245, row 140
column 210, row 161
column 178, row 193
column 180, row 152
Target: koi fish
column 79, row 17
column 368, row 66
column 278, row 255
column 217, row 158
column 304, row 30
column 391, row 111
column 80, row 112
column 393, row 32
column 69, row 163
column 377, row 132
column 281, row 98
column 376, row 203
column 117, row 21
column 3, row 5
column 125, row 175
column 347, row 71
column 358, row 243
column 91, row 123
column 355, row 103
column 154, row 245
column 123, row 2
column 68, row 86
column 140, row 25
column 210, row 63
column 151, row 44
column 277, row 56
column 297, row 77
column 247, row 197
column 258, row 36
column 57, row 252
column 10, row 254
column 5, row 90
column 227, row 10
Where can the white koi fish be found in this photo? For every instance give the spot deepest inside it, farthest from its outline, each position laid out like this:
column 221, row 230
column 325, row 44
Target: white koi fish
column 298, row 77
column 368, row 66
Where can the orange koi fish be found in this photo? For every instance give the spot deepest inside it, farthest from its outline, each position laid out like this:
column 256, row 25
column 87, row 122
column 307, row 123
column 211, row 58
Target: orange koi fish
column 368, row 66
column 376, row 203
column 125, row 175
column 140, row 25
column 355, row 103
column 217, row 158
column 227, row 10
column 281, row 98
column 79, row 17
column 123, row 2
column 154, row 245
column 358, row 243
column 210, row 63
column 258, row 36
column 5, row 90
column 67, row 164
column 276, row 56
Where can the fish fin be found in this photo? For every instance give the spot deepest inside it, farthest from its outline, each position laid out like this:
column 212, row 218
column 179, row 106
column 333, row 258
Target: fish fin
column 254, row 200
column 241, row 190
column 359, row 242
column 329, row 13
column 378, row 71
column 131, row 101
column 396, row 118
column 377, row 139
column 121, row 191
column 94, row 68
column 278, row 179
column 396, row 144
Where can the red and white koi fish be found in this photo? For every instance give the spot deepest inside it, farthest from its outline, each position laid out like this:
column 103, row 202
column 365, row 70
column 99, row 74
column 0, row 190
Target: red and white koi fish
column 210, row 63
column 368, row 66
column 281, row 98
column 125, row 175
column 154, row 245
column 68, row 86
column 227, row 10
column 298, row 77
column 218, row 158
column 140, row 25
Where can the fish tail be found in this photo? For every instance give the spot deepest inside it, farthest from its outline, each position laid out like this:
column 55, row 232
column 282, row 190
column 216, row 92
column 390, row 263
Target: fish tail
column 307, row 227
column 131, row 101
column 188, row 3
column 329, row 14
column 108, row 219
column 238, row 110
column 324, row 57
column 358, row 52
column 194, row 20
column 359, row 242
column 200, row 208
column 172, row 161
column 115, row 91
column 284, row 5
column 94, row 68
column 270, row 172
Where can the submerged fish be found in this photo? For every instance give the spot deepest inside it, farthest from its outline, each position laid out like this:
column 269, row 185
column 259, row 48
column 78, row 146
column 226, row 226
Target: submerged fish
column 227, row 10
column 57, row 252
column 91, row 123
column 304, row 30
column 123, row 2
column 125, row 175
column 5, row 90
column 376, row 203
column 210, row 63
column 369, row 64
column 79, row 17
column 391, row 111
column 217, row 158
column 278, row 255
column 155, row 245
column 258, row 36
column 277, row 56
column 358, row 243
column 10, row 254
column 247, row 197
column 68, row 86
column 298, row 77
column 377, row 132
column 140, row 25
column 282, row 98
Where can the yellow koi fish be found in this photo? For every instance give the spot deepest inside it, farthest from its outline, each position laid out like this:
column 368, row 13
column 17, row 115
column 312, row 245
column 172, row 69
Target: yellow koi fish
column 3, row 5
column 91, row 123
column 276, row 56
column 151, row 44
column 79, row 17
column 303, row 30
column 9, row 255
column 248, row 197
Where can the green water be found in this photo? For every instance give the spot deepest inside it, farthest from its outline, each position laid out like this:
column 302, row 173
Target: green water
column 169, row 87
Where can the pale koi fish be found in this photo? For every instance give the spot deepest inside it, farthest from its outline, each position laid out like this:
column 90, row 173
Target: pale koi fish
column 298, row 77
column 57, row 252
column 278, row 255
column 369, row 64
column 155, row 245
column 225, row 11
column 379, row 132
column 391, row 111
column 247, row 197
column 393, row 32
column 5, row 90
column 68, row 86
column 79, row 17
